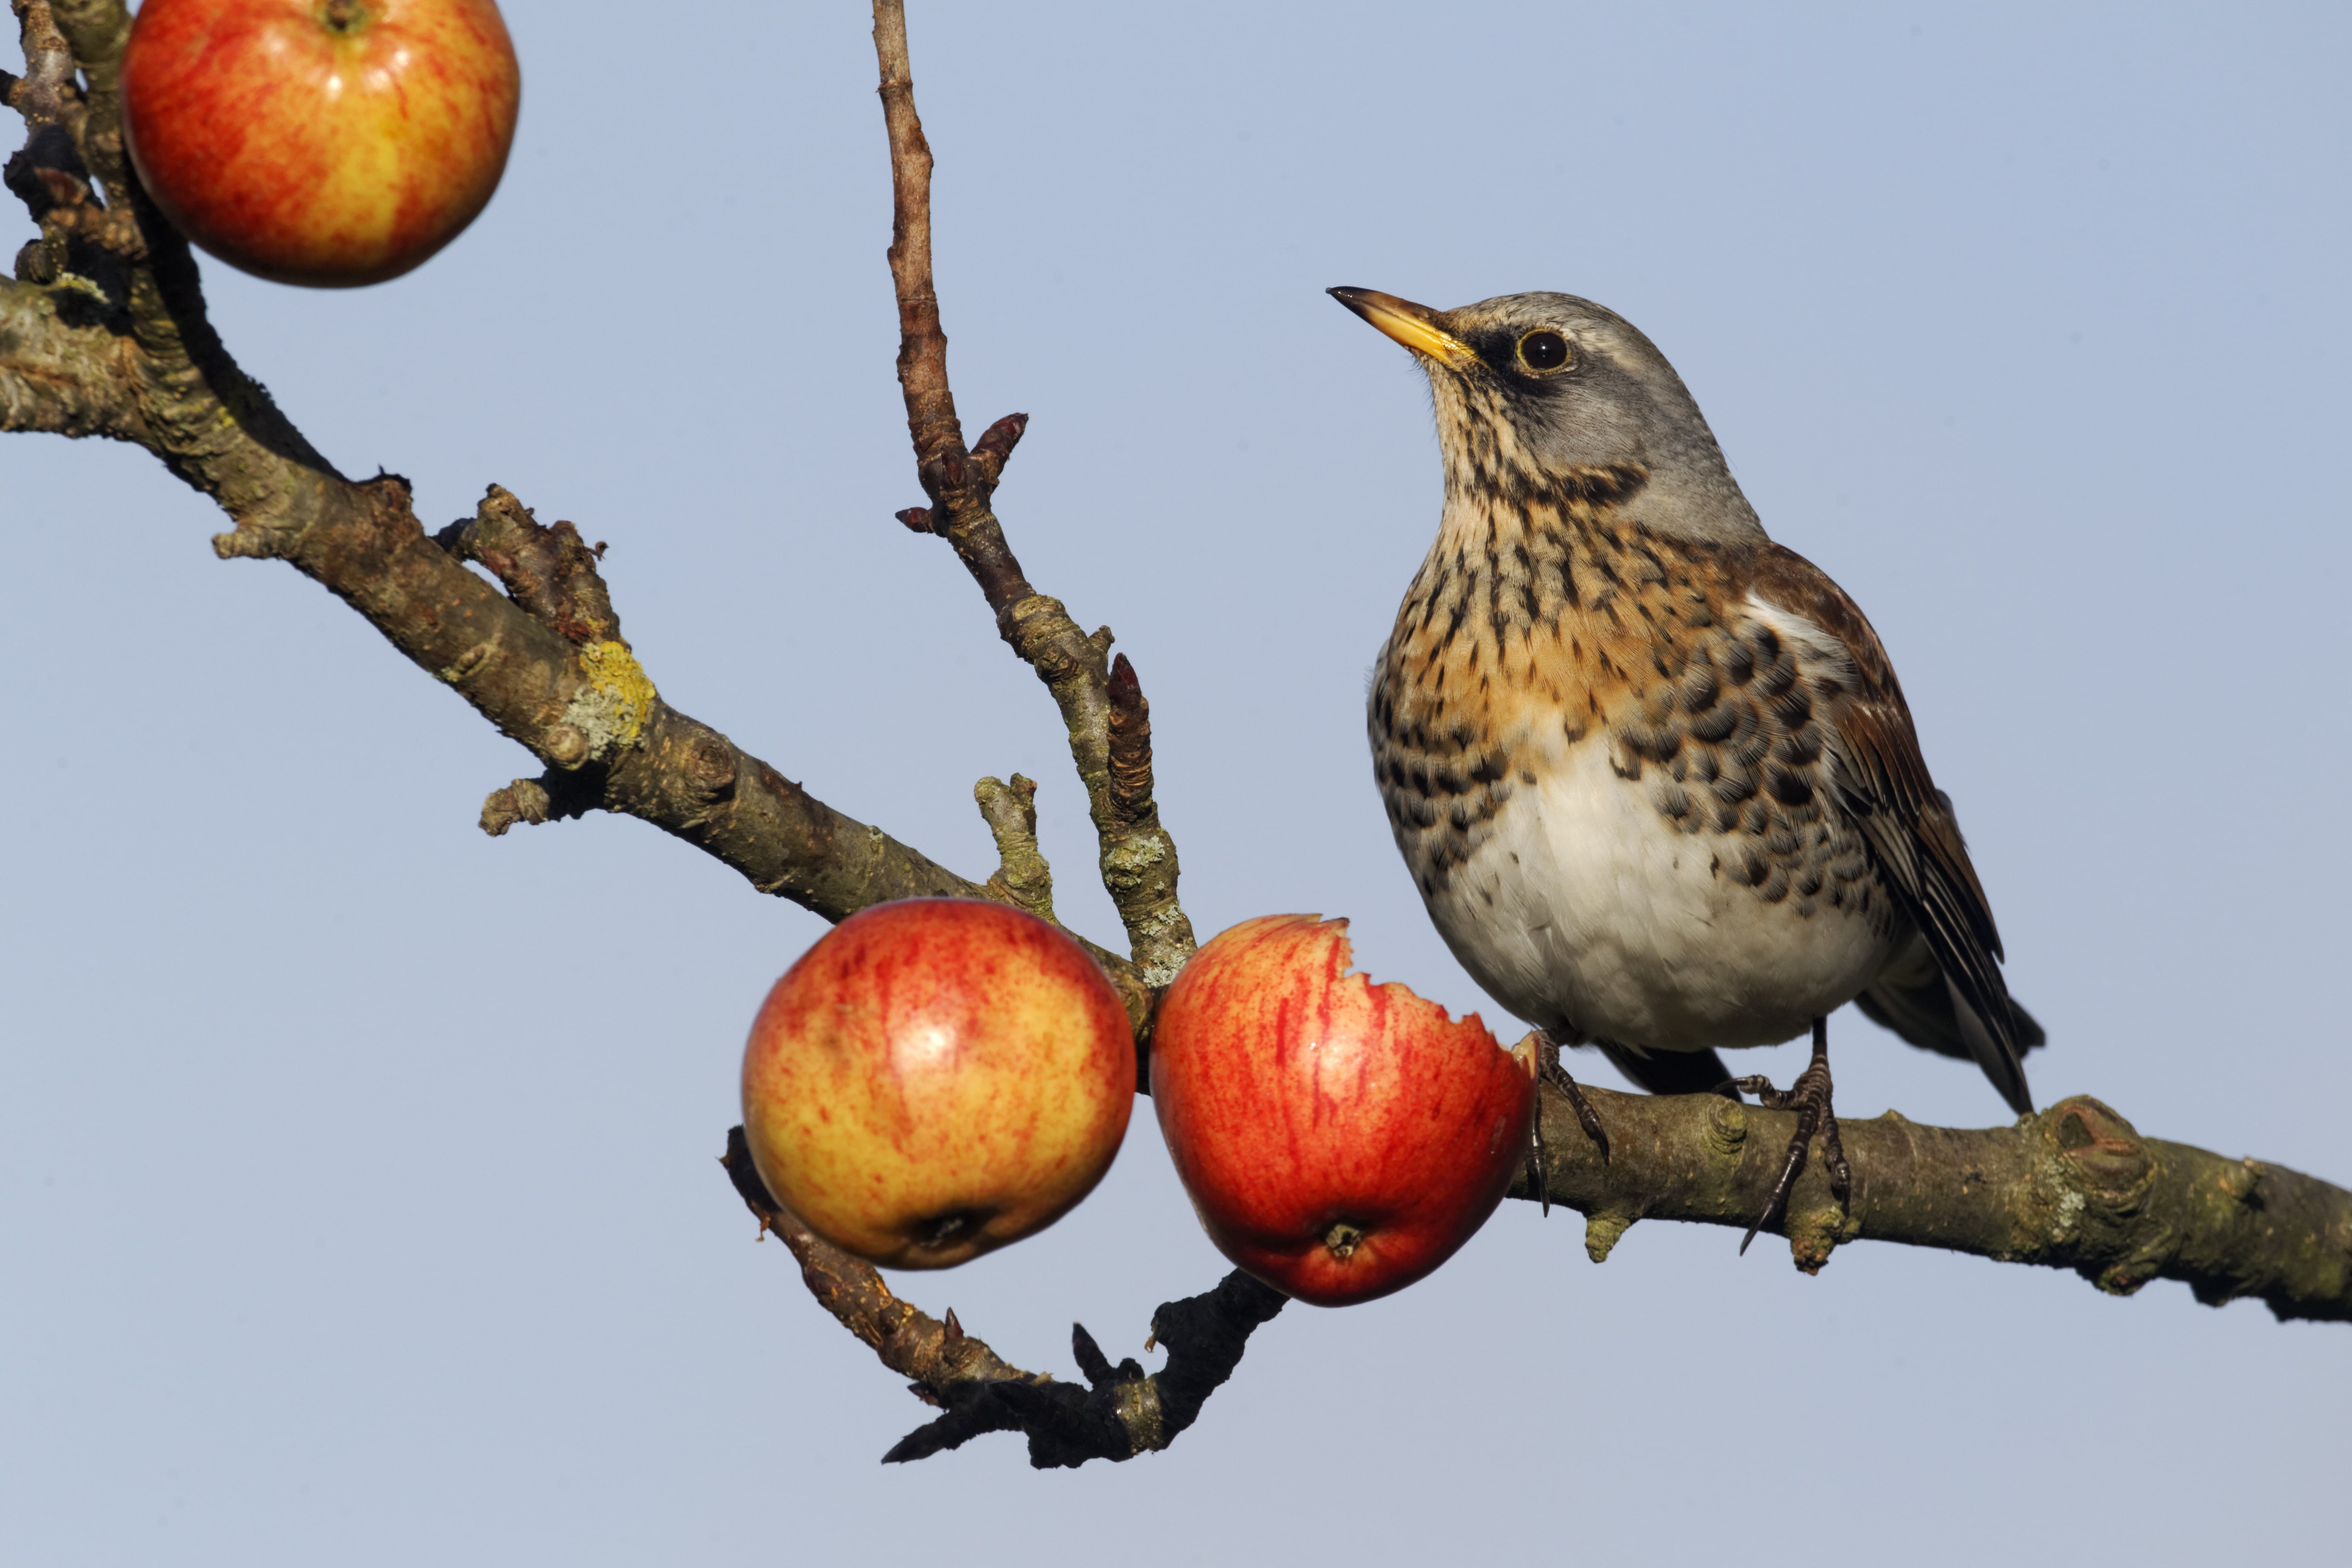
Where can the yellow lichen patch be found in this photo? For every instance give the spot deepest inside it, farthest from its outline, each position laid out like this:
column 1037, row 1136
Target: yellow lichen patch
column 611, row 711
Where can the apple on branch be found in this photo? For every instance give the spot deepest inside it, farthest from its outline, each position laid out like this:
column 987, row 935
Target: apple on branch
column 325, row 142
column 1339, row 1139
column 937, row 1077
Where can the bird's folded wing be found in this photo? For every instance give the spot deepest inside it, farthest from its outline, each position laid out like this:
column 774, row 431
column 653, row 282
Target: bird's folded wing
column 1882, row 781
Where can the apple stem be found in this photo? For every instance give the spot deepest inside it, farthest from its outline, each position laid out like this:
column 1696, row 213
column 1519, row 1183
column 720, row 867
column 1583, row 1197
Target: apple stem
column 343, row 15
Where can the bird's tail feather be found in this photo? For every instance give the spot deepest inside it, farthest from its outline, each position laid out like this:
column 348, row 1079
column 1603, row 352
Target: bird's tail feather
column 1929, row 1012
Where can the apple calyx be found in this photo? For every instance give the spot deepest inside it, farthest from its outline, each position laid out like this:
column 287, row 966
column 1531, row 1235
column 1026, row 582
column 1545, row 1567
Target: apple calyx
column 1342, row 1239
column 941, row 1233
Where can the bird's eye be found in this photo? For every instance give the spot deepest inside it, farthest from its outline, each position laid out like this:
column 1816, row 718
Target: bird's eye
column 1543, row 351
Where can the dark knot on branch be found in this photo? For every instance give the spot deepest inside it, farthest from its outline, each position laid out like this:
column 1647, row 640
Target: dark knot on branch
column 961, row 483
column 995, row 447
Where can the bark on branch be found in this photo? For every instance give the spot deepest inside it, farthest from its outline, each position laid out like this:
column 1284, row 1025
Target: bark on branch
column 2074, row 1186
column 1121, row 1412
column 2071, row 1187
column 1138, row 856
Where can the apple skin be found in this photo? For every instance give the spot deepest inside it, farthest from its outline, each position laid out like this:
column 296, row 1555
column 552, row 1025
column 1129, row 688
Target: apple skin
column 1339, row 1139
column 325, row 142
column 936, row 1078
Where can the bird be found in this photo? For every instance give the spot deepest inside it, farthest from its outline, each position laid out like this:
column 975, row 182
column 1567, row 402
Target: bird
column 1652, row 771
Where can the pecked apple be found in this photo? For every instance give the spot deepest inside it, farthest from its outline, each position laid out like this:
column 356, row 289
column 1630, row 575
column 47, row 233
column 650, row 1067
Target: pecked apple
column 937, row 1077
column 1339, row 1139
column 325, row 142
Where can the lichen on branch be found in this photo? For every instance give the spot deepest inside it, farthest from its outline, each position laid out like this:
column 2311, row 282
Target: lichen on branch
column 1021, row 877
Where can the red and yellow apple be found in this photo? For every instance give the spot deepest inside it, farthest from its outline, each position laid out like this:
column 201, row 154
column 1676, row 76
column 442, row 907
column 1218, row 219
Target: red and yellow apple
column 1339, row 1139
column 328, row 143
column 936, row 1078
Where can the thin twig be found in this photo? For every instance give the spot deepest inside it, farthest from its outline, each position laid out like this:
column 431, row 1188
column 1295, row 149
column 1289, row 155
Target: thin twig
column 1138, row 856
column 1119, row 1413
column 46, row 93
column 1022, row 876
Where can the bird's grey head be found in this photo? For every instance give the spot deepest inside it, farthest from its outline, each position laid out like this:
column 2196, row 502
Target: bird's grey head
column 1541, row 394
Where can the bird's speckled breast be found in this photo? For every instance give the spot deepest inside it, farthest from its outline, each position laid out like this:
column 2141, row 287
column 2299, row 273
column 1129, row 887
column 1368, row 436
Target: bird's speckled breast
column 1546, row 632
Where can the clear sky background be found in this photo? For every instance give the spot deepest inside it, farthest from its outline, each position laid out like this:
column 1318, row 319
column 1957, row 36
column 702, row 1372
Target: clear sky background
column 357, row 1180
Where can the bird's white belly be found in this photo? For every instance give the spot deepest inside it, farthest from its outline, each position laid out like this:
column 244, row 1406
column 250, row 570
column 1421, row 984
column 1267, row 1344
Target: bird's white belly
column 1589, row 912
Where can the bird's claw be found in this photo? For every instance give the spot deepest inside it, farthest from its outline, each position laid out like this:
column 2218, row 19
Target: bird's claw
column 1548, row 1070
column 1811, row 1098
column 1537, row 1177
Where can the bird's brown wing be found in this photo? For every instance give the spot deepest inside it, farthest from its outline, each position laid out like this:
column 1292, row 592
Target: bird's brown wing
column 1882, row 781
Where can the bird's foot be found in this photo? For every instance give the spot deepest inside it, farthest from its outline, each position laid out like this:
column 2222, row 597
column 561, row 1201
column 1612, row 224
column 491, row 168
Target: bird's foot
column 1810, row 1097
column 1548, row 1070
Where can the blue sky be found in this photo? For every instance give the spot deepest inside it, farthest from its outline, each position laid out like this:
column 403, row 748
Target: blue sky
column 356, row 1170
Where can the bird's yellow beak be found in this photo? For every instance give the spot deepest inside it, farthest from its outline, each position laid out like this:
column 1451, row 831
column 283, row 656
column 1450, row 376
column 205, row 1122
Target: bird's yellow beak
column 1414, row 326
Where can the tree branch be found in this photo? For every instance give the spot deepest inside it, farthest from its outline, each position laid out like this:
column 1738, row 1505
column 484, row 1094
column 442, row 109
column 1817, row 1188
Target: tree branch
column 1021, row 877
column 1138, row 856
column 110, row 338
column 1119, row 1413
column 2071, row 1187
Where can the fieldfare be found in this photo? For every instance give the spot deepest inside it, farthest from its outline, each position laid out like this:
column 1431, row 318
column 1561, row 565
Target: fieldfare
column 1652, row 771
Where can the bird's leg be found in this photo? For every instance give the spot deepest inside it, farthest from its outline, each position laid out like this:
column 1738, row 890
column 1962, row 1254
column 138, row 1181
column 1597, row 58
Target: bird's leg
column 1810, row 1097
column 1548, row 1070
column 1537, row 1177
